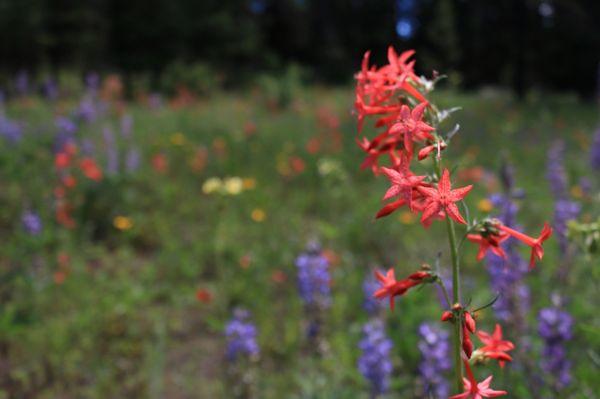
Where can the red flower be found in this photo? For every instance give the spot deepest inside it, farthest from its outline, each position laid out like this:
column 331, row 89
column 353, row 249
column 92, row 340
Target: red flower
column 62, row 160
column 403, row 182
column 475, row 390
column 468, row 328
column 537, row 251
column 392, row 288
column 494, row 346
column 411, row 126
column 90, row 169
column 489, row 242
column 204, row 295
column 443, row 198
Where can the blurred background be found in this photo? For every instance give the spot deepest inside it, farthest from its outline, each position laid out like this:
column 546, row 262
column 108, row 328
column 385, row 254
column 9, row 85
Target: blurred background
column 183, row 213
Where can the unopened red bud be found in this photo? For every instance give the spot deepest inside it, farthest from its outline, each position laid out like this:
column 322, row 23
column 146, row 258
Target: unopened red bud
column 418, row 275
column 447, row 315
column 469, row 322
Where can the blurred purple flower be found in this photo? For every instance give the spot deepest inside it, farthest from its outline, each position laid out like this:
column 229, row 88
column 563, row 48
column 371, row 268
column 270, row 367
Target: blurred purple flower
column 50, row 89
column 132, row 160
column 87, row 110
column 32, row 223
column 313, row 277
column 555, row 327
column 12, row 131
column 241, row 336
column 155, row 101
column 92, row 82
column 126, row 126
column 371, row 304
column 564, row 211
column 375, row 363
column 435, row 360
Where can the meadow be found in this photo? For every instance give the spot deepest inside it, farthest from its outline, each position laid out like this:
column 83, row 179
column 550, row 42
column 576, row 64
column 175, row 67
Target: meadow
column 182, row 209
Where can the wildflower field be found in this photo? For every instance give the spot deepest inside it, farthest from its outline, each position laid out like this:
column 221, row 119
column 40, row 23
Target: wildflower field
column 224, row 245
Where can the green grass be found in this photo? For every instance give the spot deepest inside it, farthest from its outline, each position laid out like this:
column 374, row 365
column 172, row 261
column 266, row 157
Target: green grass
column 126, row 323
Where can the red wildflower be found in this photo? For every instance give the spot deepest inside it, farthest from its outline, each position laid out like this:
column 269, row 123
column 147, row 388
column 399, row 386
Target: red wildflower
column 62, row 160
column 489, row 242
column 411, row 126
column 204, row 295
column 403, row 181
column 443, row 198
column 69, row 181
column 447, row 315
column 90, row 169
column 468, row 328
column 494, row 346
column 475, row 390
column 159, row 163
column 537, row 251
column 392, row 288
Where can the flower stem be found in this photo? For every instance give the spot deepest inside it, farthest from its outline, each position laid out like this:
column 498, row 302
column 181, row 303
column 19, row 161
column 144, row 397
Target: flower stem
column 456, row 299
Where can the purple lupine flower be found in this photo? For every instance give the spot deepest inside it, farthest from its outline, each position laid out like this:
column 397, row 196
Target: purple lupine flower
column 564, row 211
column 66, row 130
column 506, row 275
column 241, row 336
column 112, row 153
column 595, row 151
column 92, row 82
column 32, row 223
column 371, row 304
column 555, row 170
column 132, row 160
column 87, row 110
column 555, row 327
column 313, row 277
column 126, row 126
column 22, row 83
column 435, row 360
column 12, row 131
column 50, row 89
column 375, row 363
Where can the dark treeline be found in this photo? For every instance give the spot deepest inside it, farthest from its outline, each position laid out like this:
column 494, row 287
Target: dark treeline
column 549, row 44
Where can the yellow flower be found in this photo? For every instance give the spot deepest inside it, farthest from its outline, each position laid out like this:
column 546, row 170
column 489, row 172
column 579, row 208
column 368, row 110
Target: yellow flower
column 233, row 185
column 122, row 223
column 485, row 205
column 249, row 183
column 576, row 192
column 258, row 215
column 407, row 217
column 178, row 139
column 211, row 185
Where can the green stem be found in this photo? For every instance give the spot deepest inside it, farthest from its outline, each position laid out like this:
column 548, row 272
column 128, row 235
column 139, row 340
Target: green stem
column 456, row 299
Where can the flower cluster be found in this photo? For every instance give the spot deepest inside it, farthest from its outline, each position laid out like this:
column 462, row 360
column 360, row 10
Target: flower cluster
column 435, row 360
column 409, row 124
column 32, row 223
column 371, row 304
column 375, row 363
column 68, row 164
column 241, row 336
column 555, row 327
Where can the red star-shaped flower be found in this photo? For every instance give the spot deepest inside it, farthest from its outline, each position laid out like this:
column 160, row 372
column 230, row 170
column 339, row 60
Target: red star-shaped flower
column 411, row 126
column 443, row 198
column 494, row 346
column 475, row 390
